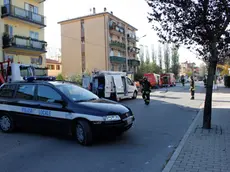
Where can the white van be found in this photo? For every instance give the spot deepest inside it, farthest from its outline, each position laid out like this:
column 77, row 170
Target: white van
column 114, row 85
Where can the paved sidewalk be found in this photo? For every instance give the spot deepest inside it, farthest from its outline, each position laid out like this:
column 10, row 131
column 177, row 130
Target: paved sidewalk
column 206, row 150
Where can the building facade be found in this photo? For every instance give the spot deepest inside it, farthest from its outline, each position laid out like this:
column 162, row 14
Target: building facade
column 100, row 41
column 54, row 67
column 188, row 68
column 22, row 26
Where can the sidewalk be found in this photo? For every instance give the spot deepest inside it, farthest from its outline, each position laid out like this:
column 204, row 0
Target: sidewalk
column 206, row 150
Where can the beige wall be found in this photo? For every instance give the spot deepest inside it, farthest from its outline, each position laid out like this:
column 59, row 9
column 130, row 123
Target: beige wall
column 71, row 48
column 95, row 46
column 22, row 29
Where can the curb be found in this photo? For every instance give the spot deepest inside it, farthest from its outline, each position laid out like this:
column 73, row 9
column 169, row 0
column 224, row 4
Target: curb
column 177, row 151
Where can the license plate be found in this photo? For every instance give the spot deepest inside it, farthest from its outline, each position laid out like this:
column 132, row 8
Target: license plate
column 129, row 120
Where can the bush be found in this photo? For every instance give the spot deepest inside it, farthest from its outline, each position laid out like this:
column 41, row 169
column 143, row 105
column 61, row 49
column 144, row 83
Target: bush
column 76, row 79
column 60, row 77
column 227, row 81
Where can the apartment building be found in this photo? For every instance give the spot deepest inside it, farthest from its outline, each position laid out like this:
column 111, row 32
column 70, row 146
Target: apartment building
column 99, row 41
column 22, row 26
column 189, row 68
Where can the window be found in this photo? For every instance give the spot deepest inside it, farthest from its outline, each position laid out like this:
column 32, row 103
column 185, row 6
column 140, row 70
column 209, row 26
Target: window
column 50, row 67
column 25, row 92
column 129, row 81
column 76, row 93
column 48, row 94
column 7, row 91
column 31, row 8
column 119, row 54
column 34, row 35
column 9, row 30
column 57, row 67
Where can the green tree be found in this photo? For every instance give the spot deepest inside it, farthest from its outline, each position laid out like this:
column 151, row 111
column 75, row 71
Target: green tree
column 153, row 56
column 202, row 24
column 175, row 61
column 160, row 57
column 166, row 58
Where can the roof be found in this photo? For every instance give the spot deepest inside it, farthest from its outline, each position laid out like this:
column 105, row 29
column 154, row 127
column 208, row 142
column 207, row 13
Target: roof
column 52, row 61
column 94, row 15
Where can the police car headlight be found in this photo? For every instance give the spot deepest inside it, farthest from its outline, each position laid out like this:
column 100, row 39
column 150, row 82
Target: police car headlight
column 112, row 118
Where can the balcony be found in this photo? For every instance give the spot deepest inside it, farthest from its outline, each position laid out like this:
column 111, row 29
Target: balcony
column 20, row 14
column 133, row 62
column 39, row 1
column 116, row 30
column 23, row 45
column 133, row 50
column 117, row 45
column 132, row 38
column 117, row 59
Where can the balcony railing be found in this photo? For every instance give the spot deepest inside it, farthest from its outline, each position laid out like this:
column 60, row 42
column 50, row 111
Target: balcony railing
column 39, row 1
column 118, row 59
column 20, row 13
column 24, row 43
column 133, row 50
column 118, row 44
column 133, row 62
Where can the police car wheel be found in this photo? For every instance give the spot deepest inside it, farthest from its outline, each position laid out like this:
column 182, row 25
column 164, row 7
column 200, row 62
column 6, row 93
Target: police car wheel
column 83, row 133
column 6, row 124
column 134, row 95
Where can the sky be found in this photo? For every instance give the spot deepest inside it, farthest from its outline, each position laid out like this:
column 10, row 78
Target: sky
column 133, row 12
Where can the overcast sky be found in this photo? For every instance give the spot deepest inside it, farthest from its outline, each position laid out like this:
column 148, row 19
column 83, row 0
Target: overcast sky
column 131, row 11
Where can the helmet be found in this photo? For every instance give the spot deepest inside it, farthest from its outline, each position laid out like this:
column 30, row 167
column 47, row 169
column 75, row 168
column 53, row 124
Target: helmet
column 144, row 78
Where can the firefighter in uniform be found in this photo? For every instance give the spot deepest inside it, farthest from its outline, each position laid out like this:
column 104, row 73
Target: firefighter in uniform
column 192, row 88
column 146, row 89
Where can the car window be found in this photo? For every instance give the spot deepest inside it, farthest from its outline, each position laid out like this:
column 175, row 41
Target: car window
column 129, row 81
column 7, row 91
column 76, row 93
column 25, row 92
column 48, row 94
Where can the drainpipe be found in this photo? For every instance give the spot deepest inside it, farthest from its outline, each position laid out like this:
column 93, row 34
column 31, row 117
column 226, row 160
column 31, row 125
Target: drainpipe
column 126, row 50
column 106, row 45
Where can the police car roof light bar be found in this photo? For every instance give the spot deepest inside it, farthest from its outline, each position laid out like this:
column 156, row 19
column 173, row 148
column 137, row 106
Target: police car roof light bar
column 39, row 78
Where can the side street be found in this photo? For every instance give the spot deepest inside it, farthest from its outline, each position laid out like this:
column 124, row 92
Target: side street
column 206, row 150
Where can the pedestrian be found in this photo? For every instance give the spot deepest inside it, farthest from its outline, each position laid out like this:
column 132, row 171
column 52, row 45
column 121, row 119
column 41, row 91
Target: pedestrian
column 101, row 90
column 192, row 88
column 146, row 89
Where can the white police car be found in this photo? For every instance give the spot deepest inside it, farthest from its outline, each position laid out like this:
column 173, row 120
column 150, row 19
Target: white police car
column 57, row 105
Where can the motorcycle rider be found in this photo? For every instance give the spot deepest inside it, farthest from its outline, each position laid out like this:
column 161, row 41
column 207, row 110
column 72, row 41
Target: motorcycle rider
column 146, row 89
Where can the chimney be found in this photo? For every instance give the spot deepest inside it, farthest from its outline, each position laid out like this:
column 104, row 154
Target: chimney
column 104, row 9
column 94, row 10
column 111, row 12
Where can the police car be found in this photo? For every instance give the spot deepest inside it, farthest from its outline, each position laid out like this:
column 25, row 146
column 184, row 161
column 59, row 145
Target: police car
column 45, row 103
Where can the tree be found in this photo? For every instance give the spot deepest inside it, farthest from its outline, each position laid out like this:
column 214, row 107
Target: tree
column 175, row 61
column 153, row 54
column 160, row 57
column 166, row 58
column 201, row 25
column 202, row 70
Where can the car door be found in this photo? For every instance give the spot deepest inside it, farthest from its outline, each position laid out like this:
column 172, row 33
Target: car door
column 131, row 87
column 108, row 85
column 119, row 86
column 25, row 105
column 51, row 111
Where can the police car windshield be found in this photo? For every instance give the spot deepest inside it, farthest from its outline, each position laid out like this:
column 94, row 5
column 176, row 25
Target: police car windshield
column 76, row 93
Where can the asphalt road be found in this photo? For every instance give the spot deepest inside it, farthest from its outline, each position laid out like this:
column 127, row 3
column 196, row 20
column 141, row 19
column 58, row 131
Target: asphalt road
column 145, row 148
